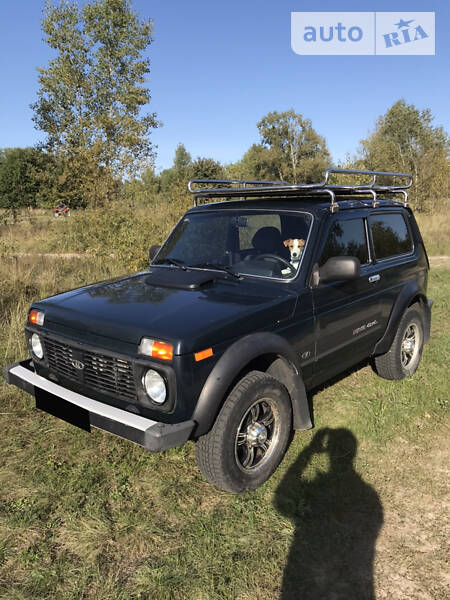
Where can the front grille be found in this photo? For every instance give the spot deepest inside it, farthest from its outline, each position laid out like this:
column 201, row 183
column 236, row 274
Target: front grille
column 60, row 357
column 106, row 374
column 111, row 374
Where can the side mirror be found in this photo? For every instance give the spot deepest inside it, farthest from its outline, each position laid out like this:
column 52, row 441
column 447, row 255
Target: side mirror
column 340, row 268
column 153, row 251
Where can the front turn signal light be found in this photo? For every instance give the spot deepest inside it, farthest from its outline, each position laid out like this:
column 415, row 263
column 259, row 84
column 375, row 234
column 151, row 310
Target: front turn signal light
column 36, row 317
column 156, row 349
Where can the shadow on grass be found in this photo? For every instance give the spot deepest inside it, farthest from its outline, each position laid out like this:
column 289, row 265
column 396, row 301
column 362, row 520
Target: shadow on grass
column 337, row 517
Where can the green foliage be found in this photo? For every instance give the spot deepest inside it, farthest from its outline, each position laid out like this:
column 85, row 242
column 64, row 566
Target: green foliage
column 182, row 163
column 405, row 140
column 123, row 232
column 28, row 177
column 92, row 93
column 290, row 150
column 257, row 163
column 298, row 152
column 142, row 190
column 206, row 168
column 83, row 182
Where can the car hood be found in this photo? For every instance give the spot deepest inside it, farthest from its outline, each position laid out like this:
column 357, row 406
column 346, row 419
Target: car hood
column 130, row 308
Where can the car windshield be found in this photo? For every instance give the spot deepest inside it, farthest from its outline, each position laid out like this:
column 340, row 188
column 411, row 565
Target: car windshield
column 260, row 243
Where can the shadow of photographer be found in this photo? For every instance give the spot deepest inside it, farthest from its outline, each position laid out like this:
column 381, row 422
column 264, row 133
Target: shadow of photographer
column 337, row 517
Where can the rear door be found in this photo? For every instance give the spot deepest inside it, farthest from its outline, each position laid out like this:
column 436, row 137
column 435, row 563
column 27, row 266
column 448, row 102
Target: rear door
column 347, row 313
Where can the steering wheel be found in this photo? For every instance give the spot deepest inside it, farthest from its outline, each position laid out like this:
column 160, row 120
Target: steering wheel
column 280, row 259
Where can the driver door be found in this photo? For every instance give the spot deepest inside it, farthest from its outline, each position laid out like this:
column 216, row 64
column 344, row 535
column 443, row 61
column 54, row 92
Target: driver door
column 347, row 313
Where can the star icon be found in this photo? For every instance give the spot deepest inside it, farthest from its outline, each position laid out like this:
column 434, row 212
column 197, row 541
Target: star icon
column 403, row 23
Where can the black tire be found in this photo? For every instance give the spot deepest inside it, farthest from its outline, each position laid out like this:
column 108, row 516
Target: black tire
column 237, row 436
column 403, row 357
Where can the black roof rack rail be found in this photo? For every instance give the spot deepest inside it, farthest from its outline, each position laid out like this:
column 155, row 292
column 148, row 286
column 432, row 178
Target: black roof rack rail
column 239, row 188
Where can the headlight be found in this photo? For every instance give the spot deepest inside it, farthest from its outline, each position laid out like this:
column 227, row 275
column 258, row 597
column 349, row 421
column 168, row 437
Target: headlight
column 155, row 386
column 36, row 346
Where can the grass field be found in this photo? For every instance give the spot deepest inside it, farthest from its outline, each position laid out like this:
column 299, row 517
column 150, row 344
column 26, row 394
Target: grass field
column 94, row 517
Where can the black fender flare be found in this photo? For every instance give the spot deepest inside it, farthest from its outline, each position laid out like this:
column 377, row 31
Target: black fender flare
column 407, row 296
column 233, row 361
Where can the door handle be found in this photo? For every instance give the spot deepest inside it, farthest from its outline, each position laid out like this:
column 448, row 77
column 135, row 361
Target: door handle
column 374, row 278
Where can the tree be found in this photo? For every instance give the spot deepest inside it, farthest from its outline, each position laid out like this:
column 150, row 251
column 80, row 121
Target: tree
column 298, row 153
column 405, row 140
column 257, row 163
column 290, row 150
column 28, row 177
column 92, row 93
column 181, row 163
column 206, row 168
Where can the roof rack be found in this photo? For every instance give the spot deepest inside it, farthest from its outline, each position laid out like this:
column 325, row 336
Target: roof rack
column 206, row 189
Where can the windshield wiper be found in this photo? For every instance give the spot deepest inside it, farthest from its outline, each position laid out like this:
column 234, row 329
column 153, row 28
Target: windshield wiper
column 224, row 268
column 173, row 261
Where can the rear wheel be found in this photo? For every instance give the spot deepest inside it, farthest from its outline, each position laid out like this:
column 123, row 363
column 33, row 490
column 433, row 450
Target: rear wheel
column 250, row 435
column 405, row 353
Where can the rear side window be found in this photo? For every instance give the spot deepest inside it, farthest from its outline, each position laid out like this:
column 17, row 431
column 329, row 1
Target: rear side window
column 390, row 235
column 346, row 238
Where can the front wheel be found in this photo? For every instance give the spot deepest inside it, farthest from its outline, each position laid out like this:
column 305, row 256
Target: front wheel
column 249, row 437
column 405, row 353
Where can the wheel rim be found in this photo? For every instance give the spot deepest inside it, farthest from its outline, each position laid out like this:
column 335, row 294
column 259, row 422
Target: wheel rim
column 410, row 345
column 257, row 435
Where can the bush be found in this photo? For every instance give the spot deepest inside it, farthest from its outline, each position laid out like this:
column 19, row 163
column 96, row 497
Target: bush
column 121, row 230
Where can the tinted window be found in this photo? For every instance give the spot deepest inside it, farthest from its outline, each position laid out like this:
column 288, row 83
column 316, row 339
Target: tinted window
column 390, row 235
column 346, row 238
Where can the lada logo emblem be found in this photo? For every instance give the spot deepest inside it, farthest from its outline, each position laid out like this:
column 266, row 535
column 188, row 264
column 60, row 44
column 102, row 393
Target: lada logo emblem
column 78, row 365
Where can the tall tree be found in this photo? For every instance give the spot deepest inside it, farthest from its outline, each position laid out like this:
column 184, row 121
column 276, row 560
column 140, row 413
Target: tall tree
column 297, row 152
column 182, row 162
column 405, row 140
column 92, row 93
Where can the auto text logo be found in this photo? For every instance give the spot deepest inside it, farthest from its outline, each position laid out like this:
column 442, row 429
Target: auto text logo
column 383, row 33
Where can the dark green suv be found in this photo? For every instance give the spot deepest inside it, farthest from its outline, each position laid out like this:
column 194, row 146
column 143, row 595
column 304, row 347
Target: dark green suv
column 262, row 291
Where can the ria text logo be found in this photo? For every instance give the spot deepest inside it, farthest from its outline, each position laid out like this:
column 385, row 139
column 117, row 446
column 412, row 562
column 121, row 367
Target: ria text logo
column 367, row 33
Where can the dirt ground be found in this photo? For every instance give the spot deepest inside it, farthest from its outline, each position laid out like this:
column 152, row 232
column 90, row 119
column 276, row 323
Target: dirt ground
column 414, row 539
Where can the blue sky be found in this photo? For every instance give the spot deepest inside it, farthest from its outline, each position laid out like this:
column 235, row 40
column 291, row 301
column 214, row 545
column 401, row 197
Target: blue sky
column 217, row 68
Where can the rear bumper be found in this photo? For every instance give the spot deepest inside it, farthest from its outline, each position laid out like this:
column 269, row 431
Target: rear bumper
column 73, row 407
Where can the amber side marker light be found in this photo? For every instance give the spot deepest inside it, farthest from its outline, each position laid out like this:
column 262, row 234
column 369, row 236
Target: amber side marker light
column 156, row 349
column 203, row 354
column 36, row 317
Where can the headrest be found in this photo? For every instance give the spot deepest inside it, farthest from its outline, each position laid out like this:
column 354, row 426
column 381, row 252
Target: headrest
column 267, row 239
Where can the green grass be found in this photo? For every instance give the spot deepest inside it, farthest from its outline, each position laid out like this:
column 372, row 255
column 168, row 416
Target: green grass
column 95, row 517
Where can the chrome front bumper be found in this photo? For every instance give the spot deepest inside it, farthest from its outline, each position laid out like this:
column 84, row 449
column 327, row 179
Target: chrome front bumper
column 84, row 411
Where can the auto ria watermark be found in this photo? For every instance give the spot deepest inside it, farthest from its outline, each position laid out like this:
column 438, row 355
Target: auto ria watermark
column 385, row 33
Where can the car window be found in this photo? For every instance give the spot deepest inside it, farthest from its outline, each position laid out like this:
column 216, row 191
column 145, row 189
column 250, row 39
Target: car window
column 253, row 224
column 199, row 239
column 265, row 244
column 390, row 235
column 346, row 238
